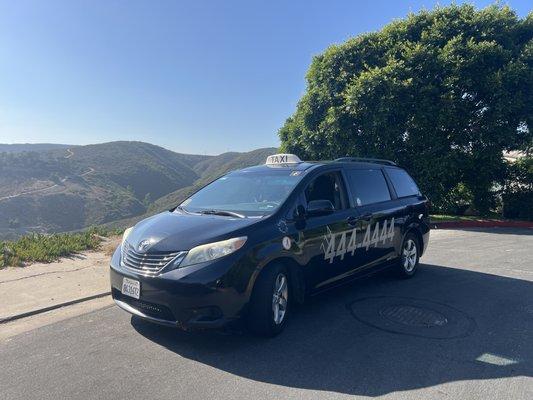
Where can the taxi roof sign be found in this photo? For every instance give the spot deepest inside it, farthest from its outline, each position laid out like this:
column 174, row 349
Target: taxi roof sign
column 280, row 159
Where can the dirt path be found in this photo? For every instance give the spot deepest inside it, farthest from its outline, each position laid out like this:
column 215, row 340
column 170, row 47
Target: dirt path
column 70, row 153
column 90, row 171
column 41, row 285
column 31, row 191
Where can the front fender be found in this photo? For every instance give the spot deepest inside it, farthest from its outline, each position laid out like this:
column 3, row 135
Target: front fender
column 273, row 251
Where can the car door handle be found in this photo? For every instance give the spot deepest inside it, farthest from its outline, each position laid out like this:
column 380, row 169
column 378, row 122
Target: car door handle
column 365, row 216
column 352, row 220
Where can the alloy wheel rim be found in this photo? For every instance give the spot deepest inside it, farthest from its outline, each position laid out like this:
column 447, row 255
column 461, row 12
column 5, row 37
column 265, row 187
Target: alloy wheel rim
column 280, row 298
column 409, row 255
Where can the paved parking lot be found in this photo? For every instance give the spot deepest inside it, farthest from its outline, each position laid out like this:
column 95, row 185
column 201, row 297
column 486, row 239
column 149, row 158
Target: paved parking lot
column 461, row 329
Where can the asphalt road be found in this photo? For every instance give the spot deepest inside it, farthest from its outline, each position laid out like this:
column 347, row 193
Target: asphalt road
column 461, row 329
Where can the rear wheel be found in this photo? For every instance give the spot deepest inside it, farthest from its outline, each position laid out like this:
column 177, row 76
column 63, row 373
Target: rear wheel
column 269, row 305
column 409, row 256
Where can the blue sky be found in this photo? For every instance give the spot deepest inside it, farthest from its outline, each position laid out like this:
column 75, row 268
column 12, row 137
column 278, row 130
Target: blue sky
column 195, row 77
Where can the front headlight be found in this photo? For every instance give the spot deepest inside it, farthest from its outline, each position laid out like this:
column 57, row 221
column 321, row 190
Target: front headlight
column 212, row 251
column 126, row 234
column 122, row 249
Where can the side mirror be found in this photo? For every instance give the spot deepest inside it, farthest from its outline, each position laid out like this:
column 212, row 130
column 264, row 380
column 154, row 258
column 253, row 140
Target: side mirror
column 300, row 213
column 319, row 207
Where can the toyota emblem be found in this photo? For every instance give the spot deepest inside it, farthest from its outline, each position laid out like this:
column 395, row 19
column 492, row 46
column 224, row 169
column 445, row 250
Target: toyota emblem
column 143, row 246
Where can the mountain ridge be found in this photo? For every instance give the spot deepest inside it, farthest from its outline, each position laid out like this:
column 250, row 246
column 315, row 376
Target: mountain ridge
column 73, row 187
column 25, row 147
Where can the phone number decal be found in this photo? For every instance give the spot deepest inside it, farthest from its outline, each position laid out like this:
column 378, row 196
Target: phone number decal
column 338, row 244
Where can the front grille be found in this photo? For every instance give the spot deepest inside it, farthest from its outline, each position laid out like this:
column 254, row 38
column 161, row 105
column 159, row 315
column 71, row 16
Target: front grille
column 147, row 263
column 150, row 309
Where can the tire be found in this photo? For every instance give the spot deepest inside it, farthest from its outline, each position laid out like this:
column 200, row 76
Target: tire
column 269, row 305
column 409, row 256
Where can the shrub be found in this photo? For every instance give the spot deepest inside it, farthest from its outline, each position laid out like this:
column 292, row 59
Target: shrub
column 48, row 248
column 518, row 205
column 517, row 196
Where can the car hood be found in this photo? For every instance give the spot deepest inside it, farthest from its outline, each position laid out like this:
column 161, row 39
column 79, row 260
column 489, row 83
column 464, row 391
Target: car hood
column 177, row 231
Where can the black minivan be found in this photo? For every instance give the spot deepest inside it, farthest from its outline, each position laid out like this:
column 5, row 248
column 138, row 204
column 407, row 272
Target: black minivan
column 254, row 241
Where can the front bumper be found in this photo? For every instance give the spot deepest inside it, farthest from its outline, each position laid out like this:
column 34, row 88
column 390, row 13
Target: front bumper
column 196, row 297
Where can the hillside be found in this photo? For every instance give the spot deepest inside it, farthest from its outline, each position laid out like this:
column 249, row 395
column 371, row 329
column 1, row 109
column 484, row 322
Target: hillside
column 210, row 169
column 66, row 189
column 141, row 167
column 69, row 189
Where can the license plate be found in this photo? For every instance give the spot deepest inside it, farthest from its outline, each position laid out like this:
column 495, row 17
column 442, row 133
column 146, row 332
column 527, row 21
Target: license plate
column 131, row 288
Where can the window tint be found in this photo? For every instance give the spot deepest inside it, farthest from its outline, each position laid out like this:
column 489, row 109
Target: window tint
column 326, row 187
column 368, row 186
column 402, row 182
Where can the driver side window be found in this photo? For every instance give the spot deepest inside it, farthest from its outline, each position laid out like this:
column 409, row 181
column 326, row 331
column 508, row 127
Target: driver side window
column 327, row 186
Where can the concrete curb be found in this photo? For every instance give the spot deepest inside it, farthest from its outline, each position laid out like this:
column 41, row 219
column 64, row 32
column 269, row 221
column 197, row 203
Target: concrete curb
column 10, row 318
column 482, row 224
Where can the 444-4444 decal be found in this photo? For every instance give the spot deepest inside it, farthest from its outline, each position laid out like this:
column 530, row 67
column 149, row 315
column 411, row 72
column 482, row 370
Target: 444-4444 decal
column 338, row 244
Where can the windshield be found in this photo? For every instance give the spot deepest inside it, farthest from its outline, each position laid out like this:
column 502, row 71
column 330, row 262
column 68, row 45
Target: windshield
column 249, row 193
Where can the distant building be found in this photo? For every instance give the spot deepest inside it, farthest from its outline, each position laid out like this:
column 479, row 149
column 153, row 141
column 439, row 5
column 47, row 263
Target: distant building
column 512, row 156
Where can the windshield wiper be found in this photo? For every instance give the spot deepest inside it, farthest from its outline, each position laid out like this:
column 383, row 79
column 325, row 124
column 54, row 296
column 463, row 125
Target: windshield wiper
column 222, row 212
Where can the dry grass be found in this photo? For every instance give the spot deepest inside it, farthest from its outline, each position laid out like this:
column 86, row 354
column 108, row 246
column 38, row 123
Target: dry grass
column 111, row 243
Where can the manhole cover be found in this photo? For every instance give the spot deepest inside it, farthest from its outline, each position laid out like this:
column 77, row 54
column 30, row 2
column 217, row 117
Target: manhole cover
column 413, row 316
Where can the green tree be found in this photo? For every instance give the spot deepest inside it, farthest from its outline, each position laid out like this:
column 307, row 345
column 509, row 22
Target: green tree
column 517, row 193
column 441, row 92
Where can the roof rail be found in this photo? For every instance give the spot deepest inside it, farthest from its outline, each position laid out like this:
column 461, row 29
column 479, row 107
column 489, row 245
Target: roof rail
column 364, row 159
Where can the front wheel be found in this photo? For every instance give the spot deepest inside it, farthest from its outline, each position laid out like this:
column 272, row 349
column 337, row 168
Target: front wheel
column 269, row 305
column 409, row 256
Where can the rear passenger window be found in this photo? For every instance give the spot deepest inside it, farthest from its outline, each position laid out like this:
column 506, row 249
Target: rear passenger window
column 326, row 187
column 403, row 183
column 368, row 186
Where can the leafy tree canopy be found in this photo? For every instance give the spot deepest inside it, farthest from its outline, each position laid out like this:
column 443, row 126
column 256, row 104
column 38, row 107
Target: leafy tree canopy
column 442, row 92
